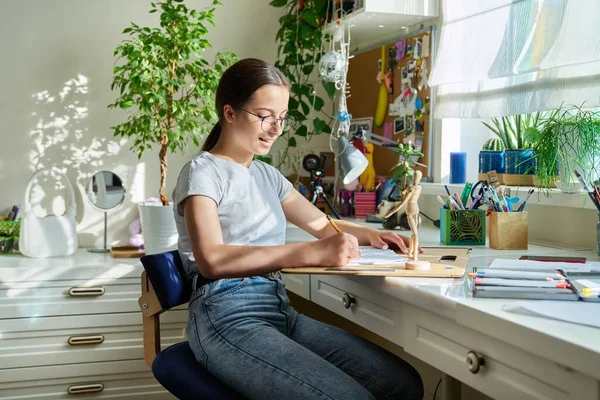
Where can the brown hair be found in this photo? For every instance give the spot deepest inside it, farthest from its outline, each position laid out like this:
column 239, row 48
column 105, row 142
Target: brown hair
column 236, row 87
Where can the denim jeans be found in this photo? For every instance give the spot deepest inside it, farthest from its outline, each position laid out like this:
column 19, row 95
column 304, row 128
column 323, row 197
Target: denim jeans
column 244, row 332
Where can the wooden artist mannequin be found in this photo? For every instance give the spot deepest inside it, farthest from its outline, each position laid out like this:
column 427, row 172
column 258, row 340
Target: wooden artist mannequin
column 411, row 199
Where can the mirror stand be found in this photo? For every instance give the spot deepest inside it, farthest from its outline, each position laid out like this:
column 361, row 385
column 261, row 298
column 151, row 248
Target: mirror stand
column 105, row 249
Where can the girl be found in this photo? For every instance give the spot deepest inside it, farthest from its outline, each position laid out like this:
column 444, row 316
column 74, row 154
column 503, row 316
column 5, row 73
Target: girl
column 231, row 216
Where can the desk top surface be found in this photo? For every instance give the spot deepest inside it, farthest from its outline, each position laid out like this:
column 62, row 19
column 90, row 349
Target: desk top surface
column 450, row 298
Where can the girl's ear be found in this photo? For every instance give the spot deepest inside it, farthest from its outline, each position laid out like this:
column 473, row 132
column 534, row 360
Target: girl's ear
column 229, row 113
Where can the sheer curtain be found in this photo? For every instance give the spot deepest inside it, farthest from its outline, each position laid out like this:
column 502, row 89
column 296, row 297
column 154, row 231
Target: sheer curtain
column 506, row 57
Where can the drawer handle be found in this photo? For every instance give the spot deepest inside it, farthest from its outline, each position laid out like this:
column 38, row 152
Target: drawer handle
column 348, row 300
column 82, row 389
column 80, row 340
column 86, row 291
column 475, row 362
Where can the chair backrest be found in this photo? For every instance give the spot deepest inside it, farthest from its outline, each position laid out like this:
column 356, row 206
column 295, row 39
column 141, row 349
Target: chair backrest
column 163, row 287
column 166, row 273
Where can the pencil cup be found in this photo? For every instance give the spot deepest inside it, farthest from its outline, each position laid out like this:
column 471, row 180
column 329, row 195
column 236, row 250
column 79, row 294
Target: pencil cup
column 462, row 227
column 508, row 230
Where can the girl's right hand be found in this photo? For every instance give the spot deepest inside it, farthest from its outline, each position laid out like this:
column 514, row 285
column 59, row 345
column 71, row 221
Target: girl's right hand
column 337, row 250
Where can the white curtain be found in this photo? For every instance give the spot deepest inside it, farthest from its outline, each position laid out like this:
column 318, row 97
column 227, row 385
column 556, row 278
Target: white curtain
column 506, row 57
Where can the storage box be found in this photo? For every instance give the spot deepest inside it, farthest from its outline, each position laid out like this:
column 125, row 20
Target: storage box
column 462, row 227
column 365, row 203
column 509, row 230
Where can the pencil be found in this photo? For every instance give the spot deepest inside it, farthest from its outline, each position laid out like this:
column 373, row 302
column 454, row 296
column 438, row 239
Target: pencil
column 332, row 222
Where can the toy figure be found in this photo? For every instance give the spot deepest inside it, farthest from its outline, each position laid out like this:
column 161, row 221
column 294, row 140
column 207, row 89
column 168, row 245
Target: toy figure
column 367, row 178
column 411, row 199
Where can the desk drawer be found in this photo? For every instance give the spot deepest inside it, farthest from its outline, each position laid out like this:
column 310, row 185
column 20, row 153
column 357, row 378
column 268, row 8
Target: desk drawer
column 130, row 380
column 505, row 372
column 375, row 311
column 298, row 284
column 77, row 339
column 55, row 298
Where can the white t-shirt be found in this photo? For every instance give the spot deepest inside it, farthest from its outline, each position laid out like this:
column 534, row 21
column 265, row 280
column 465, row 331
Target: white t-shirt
column 248, row 202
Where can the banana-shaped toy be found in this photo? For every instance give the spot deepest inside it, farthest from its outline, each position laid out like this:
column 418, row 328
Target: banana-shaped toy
column 382, row 100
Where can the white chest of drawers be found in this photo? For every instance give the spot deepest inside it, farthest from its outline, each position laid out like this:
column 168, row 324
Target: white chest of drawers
column 71, row 327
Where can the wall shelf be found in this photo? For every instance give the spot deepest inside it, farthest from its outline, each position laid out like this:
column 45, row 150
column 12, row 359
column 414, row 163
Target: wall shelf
column 382, row 21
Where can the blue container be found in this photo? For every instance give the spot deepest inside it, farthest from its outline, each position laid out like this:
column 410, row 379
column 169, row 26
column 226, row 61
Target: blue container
column 519, row 161
column 458, row 167
column 491, row 160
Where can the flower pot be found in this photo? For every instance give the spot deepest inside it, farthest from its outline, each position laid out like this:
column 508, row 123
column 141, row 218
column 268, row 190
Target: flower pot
column 519, row 162
column 158, row 228
column 491, row 160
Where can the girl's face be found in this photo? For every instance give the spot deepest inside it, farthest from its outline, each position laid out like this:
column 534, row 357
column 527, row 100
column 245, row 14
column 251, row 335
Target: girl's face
column 256, row 127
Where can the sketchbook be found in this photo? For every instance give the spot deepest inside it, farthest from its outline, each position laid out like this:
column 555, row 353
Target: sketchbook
column 374, row 256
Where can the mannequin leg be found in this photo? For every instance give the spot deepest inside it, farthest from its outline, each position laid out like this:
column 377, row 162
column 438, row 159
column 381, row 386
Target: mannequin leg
column 414, row 238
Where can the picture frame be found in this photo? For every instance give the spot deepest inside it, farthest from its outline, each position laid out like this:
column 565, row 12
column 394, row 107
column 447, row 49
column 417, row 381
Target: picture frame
column 364, row 123
column 399, row 125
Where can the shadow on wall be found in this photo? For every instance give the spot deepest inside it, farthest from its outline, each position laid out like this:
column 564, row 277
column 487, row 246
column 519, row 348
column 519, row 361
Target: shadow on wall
column 61, row 137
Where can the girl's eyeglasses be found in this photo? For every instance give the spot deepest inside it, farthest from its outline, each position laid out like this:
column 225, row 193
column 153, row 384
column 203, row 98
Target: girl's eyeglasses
column 268, row 123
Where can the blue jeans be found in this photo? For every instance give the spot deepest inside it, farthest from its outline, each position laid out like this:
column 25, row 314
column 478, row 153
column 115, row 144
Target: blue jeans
column 244, row 332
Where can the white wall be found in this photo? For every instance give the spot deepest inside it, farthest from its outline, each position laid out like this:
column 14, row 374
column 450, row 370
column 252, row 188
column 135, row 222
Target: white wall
column 57, row 59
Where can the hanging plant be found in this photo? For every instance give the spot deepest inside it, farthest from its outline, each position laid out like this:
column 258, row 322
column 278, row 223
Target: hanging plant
column 300, row 41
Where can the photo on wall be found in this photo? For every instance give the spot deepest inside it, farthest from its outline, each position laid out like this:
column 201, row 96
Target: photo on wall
column 365, row 123
column 399, row 125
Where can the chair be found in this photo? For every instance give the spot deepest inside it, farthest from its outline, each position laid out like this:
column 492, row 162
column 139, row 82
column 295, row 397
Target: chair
column 175, row 368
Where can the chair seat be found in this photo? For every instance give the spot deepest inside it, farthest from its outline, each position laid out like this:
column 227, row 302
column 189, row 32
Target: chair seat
column 177, row 370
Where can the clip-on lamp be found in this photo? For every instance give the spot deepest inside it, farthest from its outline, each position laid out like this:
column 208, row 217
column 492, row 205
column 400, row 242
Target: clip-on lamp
column 352, row 161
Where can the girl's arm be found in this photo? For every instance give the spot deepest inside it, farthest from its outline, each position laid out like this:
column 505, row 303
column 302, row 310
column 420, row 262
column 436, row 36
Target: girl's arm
column 217, row 260
column 302, row 213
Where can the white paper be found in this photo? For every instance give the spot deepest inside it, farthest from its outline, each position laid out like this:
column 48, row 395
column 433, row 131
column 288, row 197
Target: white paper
column 531, row 265
column 590, row 283
column 576, row 312
column 374, row 256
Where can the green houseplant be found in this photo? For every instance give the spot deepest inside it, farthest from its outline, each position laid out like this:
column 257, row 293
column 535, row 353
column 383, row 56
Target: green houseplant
column 300, row 41
column 165, row 85
column 569, row 139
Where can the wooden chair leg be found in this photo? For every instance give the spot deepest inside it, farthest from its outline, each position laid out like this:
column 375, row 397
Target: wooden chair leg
column 150, row 321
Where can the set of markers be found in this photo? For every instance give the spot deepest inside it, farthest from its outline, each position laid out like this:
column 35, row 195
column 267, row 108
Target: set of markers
column 505, row 283
column 481, row 193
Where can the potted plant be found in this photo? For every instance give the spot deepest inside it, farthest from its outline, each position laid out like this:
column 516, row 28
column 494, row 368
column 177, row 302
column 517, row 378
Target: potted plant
column 167, row 89
column 403, row 171
column 568, row 140
column 491, row 157
column 519, row 159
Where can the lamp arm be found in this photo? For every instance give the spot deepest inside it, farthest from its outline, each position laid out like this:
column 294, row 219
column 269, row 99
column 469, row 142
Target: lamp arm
column 380, row 142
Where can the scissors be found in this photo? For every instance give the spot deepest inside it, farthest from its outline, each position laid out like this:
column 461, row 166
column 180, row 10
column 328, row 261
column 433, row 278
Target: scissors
column 478, row 194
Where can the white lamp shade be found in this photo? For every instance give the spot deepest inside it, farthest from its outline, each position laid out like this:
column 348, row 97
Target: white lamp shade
column 352, row 161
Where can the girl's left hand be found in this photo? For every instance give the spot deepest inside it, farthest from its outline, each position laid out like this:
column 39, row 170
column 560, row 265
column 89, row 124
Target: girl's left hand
column 385, row 240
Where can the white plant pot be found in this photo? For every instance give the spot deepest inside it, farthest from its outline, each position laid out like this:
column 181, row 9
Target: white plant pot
column 158, row 228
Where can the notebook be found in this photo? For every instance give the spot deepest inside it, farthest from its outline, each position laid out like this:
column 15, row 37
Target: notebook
column 374, row 256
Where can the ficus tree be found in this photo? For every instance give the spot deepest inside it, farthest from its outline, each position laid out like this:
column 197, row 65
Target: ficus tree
column 165, row 84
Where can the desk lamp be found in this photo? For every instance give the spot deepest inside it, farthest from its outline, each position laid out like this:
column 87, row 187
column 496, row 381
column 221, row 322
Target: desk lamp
column 352, row 161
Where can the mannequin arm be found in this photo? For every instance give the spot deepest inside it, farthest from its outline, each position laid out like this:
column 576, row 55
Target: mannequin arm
column 398, row 207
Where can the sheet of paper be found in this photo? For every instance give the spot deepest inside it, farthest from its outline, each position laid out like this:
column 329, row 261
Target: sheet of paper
column 530, row 265
column 373, row 256
column 590, row 283
column 576, row 312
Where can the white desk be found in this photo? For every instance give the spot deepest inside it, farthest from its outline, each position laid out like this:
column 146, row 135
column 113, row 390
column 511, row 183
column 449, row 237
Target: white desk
column 437, row 321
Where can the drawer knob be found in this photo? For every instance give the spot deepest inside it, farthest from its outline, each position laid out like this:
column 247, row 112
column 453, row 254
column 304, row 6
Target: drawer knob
column 90, row 339
column 474, row 362
column 86, row 291
column 83, row 389
column 348, row 300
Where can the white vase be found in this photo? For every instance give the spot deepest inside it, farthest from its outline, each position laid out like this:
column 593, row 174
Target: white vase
column 158, row 228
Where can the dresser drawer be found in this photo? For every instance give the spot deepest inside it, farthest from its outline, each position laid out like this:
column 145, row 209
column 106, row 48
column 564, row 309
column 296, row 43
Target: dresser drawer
column 30, row 342
column 298, row 284
column 494, row 367
column 55, row 298
column 376, row 311
column 114, row 380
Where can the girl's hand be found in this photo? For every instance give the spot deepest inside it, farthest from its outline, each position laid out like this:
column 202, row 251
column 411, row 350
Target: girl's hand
column 385, row 240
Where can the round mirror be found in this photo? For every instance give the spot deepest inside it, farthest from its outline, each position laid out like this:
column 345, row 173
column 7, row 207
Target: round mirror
column 105, row 190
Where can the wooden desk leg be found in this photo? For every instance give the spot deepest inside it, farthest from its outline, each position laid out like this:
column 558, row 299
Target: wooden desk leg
column 451, row 389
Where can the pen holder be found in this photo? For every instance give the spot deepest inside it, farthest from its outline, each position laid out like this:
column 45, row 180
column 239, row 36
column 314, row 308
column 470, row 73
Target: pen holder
column 462, row 227
column 508, row 230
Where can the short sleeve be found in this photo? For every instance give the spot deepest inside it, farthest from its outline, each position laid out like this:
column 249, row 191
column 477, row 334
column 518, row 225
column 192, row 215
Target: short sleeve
column 198, row 177
column 282, row 185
